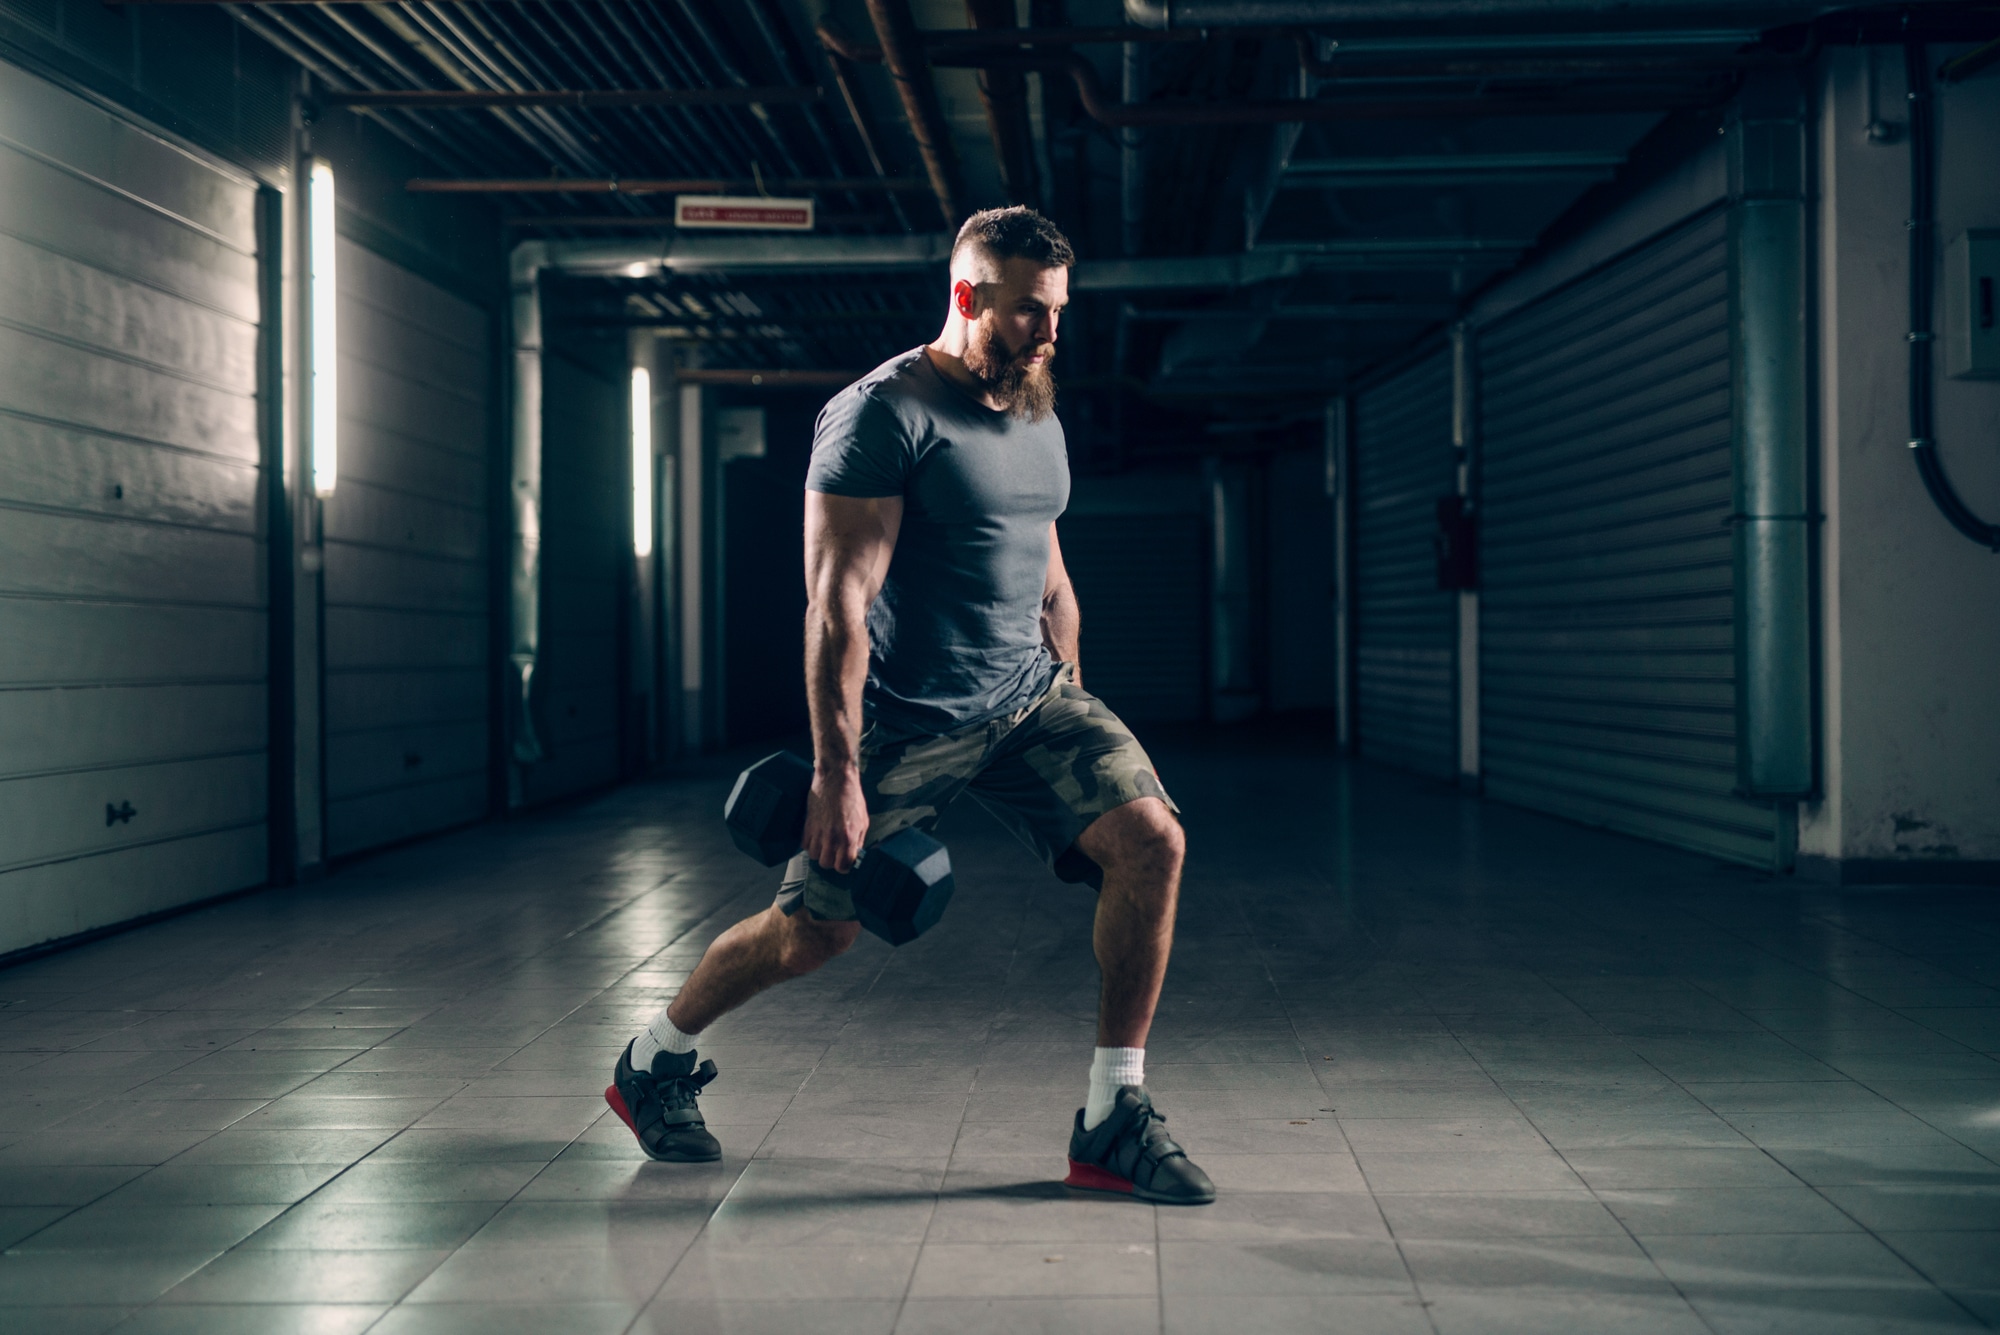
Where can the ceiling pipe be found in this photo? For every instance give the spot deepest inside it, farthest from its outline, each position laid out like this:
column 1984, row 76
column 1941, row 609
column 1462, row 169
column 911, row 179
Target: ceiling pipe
column 1004, row 92
column 663, row 97
column 1498, row 102
column 775, row 378
column 903, row 54
column 643, row 185
column 1539, row 15
column 1120, row 115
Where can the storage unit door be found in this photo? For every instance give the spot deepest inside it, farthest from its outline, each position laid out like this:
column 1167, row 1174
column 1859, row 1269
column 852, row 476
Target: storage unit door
column 406, row 560
column 1606, row 651
column 1141, row 591
column 133, row 615
column 1405, row 627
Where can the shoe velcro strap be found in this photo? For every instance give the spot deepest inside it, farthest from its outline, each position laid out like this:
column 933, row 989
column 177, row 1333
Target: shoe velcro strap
column 681, row 1117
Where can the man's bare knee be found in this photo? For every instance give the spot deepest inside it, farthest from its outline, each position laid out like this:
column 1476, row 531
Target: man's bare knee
column 1141, row 837
column 807, row 942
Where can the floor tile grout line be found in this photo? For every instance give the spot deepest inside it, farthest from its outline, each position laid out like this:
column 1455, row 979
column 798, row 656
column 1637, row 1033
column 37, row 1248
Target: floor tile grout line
column 930, row 1221
column 1845, row 1077
column 751, row 1158
column 1766, row 1152
column 1632, row 1236
column 1305, row 1055
column 397, row 1302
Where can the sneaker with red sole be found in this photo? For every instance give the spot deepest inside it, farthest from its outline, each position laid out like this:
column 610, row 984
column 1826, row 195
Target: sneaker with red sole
column 660, row 1106
column 1130, row 1153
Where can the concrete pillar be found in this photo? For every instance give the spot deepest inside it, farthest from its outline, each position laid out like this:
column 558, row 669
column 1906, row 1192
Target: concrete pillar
column 691, row 475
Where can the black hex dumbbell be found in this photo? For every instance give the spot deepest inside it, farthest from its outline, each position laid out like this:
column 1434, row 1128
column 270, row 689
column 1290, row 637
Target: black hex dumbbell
column 901, row 885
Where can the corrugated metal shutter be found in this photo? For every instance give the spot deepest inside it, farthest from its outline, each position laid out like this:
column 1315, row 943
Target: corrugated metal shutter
column 134, row 702
column 1140, row 587
column 1606, row 651
column 1405, row 627
column 406, row 561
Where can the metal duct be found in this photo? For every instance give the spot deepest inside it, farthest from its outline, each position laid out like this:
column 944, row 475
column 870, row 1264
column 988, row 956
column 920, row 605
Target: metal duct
column 1541, row 15
column 1773, row 530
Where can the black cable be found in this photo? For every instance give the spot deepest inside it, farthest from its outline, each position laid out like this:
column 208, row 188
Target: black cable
column 1923, row 278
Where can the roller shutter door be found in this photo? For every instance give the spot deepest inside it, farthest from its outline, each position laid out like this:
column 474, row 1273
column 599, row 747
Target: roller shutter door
column 1606, row 649
column 406, row 561
column 1140, row 586
column 1405, row 627
column 133, row 568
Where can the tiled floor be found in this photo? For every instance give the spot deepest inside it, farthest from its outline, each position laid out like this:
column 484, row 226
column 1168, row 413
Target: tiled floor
column 1455, row 1067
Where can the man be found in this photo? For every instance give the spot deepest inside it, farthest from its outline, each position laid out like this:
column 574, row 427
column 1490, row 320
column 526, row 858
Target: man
column 941, row 657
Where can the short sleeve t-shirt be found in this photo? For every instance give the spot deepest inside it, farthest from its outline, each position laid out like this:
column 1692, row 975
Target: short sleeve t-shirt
column 955, row 637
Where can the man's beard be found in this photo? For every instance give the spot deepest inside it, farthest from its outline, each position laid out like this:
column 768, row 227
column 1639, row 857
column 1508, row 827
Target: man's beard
column 1027, row 392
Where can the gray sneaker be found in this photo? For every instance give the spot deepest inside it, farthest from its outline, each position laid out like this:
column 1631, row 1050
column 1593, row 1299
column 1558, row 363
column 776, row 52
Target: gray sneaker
column 659, row 1105
column 1130, row 1152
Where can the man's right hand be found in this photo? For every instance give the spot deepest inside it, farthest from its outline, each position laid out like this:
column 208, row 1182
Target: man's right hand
column 836, row 819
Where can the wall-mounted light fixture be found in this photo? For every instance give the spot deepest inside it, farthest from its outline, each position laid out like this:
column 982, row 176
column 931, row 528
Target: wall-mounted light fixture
column 325, row 335
column 642, row 462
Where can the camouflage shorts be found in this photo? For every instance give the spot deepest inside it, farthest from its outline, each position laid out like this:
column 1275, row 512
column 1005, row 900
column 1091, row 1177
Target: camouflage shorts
column 1046, row 771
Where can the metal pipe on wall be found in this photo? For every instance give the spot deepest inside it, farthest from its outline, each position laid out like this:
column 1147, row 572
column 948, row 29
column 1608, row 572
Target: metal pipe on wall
column 524, row 504
column 1770, row 408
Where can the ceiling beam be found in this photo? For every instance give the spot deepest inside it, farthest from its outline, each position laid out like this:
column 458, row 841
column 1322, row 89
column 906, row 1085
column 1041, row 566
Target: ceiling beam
column 1346, row 312
column 726, row 252
column 903, row 54
column 1451, row 169
column 1625, row 97
column 1532, row 15
column 647, row 185
column 1004, row 93
column 766, row 379
column 620, row 97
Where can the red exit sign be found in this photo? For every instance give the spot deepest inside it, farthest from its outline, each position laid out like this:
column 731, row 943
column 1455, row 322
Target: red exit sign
column 742, row 213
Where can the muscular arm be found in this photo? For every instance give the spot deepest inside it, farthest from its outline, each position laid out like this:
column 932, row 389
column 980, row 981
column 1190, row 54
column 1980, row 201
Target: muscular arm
column 848, row 545
column 1061, row 621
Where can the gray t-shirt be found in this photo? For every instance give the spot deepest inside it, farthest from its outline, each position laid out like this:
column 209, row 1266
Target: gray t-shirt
column 956, row 636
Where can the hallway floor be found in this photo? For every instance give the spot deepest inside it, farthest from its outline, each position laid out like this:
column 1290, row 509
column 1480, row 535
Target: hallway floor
column 1454, row 1067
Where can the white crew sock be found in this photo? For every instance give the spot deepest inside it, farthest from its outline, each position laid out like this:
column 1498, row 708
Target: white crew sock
column 660, row 1035
column 1110, row 1070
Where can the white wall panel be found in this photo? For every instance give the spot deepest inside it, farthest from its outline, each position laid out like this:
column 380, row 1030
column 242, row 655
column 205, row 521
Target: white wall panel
column 82, row 472
column 53, row 729
column 407, row 629
column 44, row 642
column 133, row 629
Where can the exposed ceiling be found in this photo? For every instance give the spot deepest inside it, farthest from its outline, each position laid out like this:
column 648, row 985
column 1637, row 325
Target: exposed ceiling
column 1298, row 202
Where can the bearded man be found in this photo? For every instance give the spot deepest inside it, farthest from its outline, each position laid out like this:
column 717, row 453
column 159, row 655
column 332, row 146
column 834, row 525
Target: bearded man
column 941, row 658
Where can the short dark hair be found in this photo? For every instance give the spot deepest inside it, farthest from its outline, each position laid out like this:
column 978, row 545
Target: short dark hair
column 1016, row 233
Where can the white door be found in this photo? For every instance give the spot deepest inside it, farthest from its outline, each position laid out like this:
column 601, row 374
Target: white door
column 133, row 631
column 406, row 560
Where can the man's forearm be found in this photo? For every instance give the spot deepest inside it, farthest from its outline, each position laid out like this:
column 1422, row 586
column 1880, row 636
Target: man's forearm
column 836, row 670
column 1061, row 624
